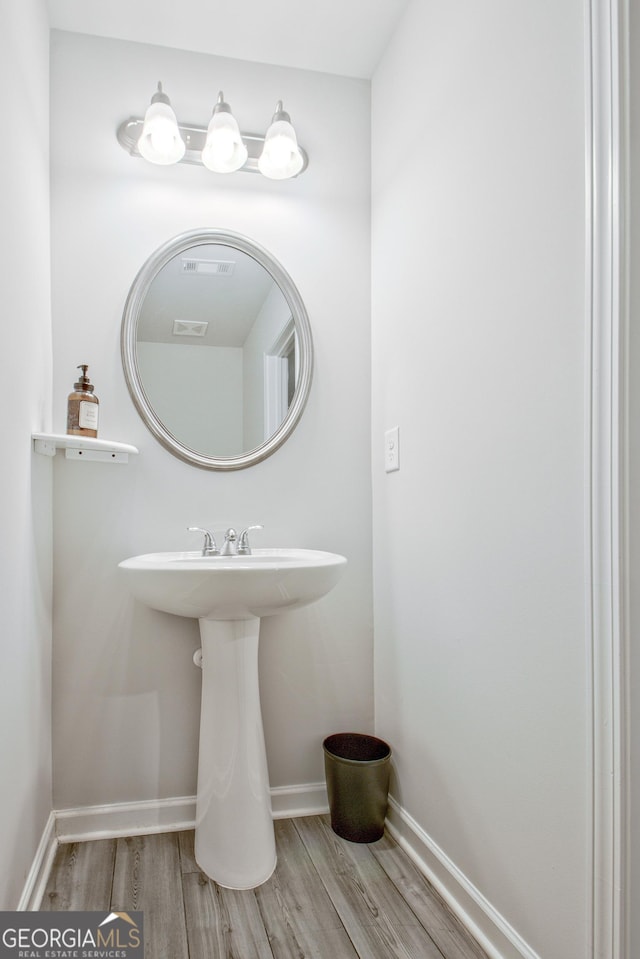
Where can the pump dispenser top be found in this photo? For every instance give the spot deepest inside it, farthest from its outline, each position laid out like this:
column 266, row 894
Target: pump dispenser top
column 84, row 383
column 82, row 407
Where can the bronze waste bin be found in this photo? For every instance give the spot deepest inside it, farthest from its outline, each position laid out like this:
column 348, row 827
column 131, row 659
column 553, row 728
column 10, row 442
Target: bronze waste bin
column 357, row 770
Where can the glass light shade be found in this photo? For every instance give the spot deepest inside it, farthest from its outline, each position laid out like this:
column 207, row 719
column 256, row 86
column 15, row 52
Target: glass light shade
column 281, row 157
column 160, row 141
column 224, row 150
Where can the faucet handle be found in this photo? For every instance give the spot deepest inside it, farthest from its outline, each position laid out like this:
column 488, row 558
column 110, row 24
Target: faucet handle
column 243, row 542
column 209, row 547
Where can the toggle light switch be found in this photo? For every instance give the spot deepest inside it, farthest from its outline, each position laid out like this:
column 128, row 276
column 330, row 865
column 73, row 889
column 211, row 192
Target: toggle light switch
column 392, row 450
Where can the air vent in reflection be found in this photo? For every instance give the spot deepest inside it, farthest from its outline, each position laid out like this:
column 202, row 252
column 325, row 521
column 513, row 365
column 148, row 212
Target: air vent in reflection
column 189, row 328
column 208, row 267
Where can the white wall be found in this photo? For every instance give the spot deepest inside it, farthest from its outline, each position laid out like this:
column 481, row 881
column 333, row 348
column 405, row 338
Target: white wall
column 126, row 693
column 25, row 399
column 478, row 356
column 196, row 391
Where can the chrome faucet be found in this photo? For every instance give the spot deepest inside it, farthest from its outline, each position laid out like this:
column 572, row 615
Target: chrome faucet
column 209, row 547
column 230, row 547
column 237, row 545
column 234, row 544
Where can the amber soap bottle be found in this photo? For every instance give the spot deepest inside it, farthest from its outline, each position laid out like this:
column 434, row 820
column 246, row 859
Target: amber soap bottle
column 82, row 407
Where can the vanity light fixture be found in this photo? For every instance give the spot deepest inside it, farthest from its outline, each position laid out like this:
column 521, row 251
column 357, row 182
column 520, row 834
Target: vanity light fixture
column 281, row 157
column 220, row 147
column 224, row 151
column 160, row 140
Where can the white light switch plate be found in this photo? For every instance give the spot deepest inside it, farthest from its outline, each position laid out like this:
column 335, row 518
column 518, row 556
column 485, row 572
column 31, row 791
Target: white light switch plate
column 392, row 450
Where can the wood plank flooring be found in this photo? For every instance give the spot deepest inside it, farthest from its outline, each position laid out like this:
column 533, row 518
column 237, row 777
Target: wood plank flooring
column 328, row 899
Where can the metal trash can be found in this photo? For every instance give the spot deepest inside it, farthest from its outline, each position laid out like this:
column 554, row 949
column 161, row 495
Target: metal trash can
column 357, row 770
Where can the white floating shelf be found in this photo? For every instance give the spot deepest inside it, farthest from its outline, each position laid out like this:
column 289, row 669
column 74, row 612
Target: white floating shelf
column 82, row 447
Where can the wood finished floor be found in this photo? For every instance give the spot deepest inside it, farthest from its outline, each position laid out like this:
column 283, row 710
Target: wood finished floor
column 328, row 899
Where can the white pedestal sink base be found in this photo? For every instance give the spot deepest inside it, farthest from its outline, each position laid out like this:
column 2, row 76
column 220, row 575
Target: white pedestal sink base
column 235, row 842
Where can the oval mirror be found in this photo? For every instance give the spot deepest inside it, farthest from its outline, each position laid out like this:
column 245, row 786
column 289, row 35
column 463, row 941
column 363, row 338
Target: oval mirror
column 216, row 349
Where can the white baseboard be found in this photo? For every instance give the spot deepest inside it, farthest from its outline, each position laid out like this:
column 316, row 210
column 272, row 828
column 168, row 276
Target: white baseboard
column 39, row 873
column 172, row 815
column 116, row 820
column 491, row 930
column 291, row 802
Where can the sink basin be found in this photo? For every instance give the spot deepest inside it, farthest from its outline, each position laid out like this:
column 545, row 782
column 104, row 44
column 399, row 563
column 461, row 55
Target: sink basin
column 232, row 587
column 234, row 841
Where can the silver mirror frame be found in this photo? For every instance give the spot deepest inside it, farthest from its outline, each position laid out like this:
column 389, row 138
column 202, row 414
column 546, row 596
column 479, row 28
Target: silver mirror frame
column 131, row 315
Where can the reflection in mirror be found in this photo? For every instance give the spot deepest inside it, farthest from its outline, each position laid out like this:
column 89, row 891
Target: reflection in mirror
column 214, row 340
column 217, row 349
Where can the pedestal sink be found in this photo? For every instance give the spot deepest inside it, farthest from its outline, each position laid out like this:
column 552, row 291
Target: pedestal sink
column 235, row 843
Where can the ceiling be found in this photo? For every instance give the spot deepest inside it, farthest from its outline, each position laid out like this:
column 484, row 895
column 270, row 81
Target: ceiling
column 229, row 302
column 345, row 37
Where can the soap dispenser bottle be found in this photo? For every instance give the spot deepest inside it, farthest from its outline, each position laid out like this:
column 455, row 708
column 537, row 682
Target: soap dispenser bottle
column 82, row 407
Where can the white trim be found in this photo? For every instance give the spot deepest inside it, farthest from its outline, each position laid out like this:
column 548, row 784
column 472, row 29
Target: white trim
column 39, row 873
column 275, row 393
column 276, row 367
column 490, row 929
column 292, row 802
column 604, row 474
column 115, row 820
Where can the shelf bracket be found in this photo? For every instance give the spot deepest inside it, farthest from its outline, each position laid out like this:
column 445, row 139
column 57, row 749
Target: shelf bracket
column 100, row 456
column 47, row 447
